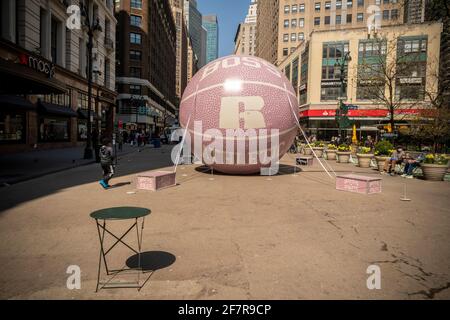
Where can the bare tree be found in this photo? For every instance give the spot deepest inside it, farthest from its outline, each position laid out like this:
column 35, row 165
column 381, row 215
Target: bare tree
column 433, row 124
column 391, row 73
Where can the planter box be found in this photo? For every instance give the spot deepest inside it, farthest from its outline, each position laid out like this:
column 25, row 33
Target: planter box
column 358, row 184
column 155, row 180
column 318, row 151
column 331, row 154
column 380, row 162
column 305, row 161
column 434, row 172
column 343, row 156
column 307, row 151
column 364, row 160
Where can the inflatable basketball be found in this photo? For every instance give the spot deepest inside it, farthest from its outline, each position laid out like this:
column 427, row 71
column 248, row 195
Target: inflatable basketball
column 234, row 105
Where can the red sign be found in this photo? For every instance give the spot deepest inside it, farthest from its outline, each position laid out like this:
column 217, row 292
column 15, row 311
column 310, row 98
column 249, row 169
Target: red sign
column 378, row 113
column 120, row 124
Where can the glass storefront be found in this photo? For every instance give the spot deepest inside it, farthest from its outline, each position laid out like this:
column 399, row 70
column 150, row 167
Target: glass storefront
column 54, row 129
column 12, row 127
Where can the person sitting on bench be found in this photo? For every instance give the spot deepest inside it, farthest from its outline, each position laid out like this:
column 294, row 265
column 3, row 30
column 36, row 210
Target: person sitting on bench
column 396, row 157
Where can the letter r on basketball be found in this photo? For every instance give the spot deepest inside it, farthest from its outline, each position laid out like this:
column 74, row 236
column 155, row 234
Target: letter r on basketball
column 230, row 114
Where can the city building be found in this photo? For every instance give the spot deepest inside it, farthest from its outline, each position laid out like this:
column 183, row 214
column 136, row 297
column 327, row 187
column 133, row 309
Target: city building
column 414, row 11
column 196, row 31
column 192, row 61
column 43, row 72
column 211, row 24
column 314, row 74
column 203, row 47
column 283, row 24
column 245, row 39
column 182, row 47
column 267, row 30
column 147, row 62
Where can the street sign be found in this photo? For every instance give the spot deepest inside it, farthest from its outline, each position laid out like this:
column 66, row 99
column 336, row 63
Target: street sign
column 389, row 135
column 352, row 107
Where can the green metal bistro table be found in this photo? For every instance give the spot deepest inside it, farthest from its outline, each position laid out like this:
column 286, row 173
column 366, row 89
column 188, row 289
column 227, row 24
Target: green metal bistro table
column 114, row 214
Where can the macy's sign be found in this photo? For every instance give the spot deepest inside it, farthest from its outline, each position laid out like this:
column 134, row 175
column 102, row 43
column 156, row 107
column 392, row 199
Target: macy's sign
column 38, row 64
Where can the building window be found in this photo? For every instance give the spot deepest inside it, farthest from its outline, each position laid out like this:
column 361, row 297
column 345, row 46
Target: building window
column 317, row 7
column 301, row 22
column 134, row 89
column 338, row 19
column 386, row 1
column 301, row 8
column 293, row 49
column 54, row 40
column 135, row 72
column 330, row 85
column 327, row 20
column 385, row 14
column 360, row 3
column 360, row 17
column 301, row 36
column 287, row 71
column 286, row 23
column 12, row 127
column 135, row 38
column 136, row 4
column 317, row 21
column 286, row 9
column 394, row 14
column 294, row 8
column 349, row 3
column 285, row 52
column 294, row 23
column 349, row 18
column 135, row 21
column 327, row 5
column 293, row 37
column 135, row 55
column 338, row 4
column 286, row 37
column 54, row 129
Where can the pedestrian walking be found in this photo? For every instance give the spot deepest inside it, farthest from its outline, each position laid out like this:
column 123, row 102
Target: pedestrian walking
column 120, row 141
column 107, row 163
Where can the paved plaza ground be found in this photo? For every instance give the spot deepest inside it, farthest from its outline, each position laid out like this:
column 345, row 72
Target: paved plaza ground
column 292, row 236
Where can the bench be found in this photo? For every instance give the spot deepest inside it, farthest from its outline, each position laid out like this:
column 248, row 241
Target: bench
column 358, row 184
column 155, row 180
column 305, row 160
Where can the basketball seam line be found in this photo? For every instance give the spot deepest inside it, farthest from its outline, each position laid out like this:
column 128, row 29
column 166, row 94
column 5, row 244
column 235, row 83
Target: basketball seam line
column 244, row 82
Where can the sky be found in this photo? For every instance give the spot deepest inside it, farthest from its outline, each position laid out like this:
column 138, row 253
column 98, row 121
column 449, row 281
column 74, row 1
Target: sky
column 230, row 13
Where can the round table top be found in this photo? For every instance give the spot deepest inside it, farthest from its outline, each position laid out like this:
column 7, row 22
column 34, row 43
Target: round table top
column 120, row 213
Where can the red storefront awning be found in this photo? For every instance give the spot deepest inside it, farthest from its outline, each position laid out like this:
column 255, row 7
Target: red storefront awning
column 378, row 113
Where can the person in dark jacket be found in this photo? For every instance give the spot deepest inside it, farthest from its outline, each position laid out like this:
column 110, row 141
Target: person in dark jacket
column 107, row 163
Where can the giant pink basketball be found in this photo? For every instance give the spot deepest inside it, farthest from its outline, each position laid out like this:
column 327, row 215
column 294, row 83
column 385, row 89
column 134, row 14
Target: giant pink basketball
column 238, row 92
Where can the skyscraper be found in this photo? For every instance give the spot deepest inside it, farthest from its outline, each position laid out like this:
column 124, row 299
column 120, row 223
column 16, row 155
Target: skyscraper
column 211, row 24
column 181, row 45
column 193, row 19
column 245, row 39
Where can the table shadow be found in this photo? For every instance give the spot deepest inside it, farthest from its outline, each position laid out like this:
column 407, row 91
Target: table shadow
column 151, row 260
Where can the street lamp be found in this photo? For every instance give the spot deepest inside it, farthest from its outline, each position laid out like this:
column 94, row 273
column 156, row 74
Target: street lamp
column 93, row 28
column 341, row 115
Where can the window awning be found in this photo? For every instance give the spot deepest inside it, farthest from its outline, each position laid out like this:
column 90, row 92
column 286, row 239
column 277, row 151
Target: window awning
column 56, row 109
column 15, row 102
